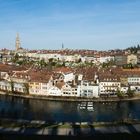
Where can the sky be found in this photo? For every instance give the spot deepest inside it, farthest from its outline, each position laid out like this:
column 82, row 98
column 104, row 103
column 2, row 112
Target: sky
column 78, row 24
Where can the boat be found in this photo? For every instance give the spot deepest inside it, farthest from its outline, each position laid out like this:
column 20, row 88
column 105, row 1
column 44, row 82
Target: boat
column 90, row 106
column 82, row 105
column 86, row 106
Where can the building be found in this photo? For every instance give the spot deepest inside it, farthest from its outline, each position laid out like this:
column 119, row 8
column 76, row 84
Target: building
column 124, row 88
column 69, row 90
column 39, row 82
column 120, row 60
column 88, row 90
column 109, row 84
column 132, row 59
column 133, row 80
column 138, row 59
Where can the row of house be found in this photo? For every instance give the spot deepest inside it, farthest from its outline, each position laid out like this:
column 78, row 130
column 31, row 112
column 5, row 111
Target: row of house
column 82, row 82
column 120, row 58
column 123, row 59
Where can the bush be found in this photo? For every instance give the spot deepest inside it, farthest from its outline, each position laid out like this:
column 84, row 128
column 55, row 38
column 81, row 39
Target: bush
column 120, row 94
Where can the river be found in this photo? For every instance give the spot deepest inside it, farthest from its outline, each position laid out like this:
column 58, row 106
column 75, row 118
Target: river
column 58, row 111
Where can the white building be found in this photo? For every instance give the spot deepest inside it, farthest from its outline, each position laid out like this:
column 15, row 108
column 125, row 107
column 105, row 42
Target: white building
column 134, row 80
column 5, row 85
column 108, row 85
column 132, row 58
column 71, row 58
column 69, row 76
column 135, row 88
column 19, row 87
column 124, row 88
column 54, row 91
column 105, row 59
column 88, row 90
column 68, row 90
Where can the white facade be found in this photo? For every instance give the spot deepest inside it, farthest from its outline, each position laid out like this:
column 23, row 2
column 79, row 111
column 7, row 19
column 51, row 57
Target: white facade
column 87, row 90
column 35, row 55
column 136, row 88
column 90, row 59
column 44, row 88
column 124, row 89
column 109, row 87
column 80, row 77
column 134, row 80
column 5, row 85
column 44, row 56
column 105, row 59
column 132, row 59
column 67, row 90
column 71, row 58
column 5, row 75
column 54, row 91
column 19, row 87
column 68, row 76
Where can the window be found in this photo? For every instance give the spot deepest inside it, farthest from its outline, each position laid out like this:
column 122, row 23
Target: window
column 90, row 91
column 31, row 83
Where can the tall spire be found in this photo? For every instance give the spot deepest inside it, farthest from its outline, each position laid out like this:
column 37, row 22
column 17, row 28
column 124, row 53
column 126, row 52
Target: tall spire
column 62, row 46
column 17, row 42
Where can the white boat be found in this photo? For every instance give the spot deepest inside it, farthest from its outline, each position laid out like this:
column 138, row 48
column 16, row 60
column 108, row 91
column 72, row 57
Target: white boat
column 86, row 106
column 90, row 106
column 82, row 105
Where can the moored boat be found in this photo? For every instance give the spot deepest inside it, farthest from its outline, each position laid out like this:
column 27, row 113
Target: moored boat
column 90, row 106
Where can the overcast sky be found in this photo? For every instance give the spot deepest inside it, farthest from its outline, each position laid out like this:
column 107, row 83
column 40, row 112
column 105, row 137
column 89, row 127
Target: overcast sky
column 78, row 24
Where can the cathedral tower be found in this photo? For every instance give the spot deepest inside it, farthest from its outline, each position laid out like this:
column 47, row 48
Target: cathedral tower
column 17, row 42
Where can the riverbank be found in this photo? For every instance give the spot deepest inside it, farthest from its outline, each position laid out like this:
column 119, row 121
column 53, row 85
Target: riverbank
column 72, row 99
column 33, row 127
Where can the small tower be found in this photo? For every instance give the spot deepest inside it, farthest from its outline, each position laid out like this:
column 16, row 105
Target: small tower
column 62, row 46
column 17, row 42
column 96, row 79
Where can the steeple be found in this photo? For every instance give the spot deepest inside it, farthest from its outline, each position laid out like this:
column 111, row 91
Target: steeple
column 96, row 78
column 62, row 46
column 17, row 42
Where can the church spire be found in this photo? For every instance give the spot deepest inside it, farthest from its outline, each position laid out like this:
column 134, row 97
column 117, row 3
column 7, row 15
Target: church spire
column 17, row 42
column 62, row 46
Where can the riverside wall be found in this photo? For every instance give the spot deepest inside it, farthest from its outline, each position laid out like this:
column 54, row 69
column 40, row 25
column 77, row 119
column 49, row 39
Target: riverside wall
column 73, row 99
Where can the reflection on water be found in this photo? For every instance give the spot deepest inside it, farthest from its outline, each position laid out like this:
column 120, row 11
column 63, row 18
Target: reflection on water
column 55, row 111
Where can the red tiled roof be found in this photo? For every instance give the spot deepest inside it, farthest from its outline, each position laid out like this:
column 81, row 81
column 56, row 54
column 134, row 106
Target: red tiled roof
column 8, row 68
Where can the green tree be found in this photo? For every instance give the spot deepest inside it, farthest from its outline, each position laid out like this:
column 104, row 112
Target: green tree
column 130, row 92
column 104, row 65
column 12, row 86
column 50, row 60
column 26, row 87
column 15, row 58
column 120, row 94
column 41, row 63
